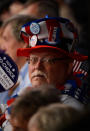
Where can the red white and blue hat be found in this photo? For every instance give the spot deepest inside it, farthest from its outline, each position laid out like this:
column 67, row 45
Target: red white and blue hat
column 52, row 33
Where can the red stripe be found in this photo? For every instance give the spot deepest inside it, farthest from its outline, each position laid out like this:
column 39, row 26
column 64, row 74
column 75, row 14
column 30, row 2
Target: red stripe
column 25, row 38
column 2, row 119
column 74, row 63
column 27, row 28
column 50, row 33
column 50, row 26
column 9, row 102
column 83, row 72
column 76, row 66
column 61, row 88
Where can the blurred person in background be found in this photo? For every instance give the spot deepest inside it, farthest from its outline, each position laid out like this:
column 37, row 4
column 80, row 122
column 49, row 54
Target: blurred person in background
column 17, row 6
column 41, row 8
column 10, row 8
column 66, row 11
column 4, row 13
column 28, row 103
column 4, row 10
column 59, row 117
column 55, row 117
column 11, row 41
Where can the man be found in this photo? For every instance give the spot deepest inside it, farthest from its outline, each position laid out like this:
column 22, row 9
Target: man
column 51, row 54
column 11, row 41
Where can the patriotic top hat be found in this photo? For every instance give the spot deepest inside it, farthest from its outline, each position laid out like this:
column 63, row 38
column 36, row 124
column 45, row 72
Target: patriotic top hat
column 52, row 33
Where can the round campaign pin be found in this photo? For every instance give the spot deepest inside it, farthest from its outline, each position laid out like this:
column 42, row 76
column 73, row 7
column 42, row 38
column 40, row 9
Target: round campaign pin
column 8, row 72
column 70, row 27
column 33, row 41
column 35, row 28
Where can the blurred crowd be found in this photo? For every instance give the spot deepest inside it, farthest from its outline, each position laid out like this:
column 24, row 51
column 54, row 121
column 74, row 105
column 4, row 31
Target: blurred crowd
column 46, row 96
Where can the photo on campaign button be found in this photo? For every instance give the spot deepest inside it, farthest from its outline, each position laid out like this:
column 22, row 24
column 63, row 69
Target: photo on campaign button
column 8, row 72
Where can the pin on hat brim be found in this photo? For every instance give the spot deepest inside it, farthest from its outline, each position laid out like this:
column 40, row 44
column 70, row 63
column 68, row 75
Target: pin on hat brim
column 27, row 51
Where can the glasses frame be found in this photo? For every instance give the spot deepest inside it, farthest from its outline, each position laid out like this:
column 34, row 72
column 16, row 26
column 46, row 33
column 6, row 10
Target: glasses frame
column 49, row 61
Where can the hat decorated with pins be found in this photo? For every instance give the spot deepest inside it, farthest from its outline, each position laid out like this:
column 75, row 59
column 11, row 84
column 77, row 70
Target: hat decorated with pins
column 50, row 33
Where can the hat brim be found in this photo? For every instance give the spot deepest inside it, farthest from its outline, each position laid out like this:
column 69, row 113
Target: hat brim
column 27, row 51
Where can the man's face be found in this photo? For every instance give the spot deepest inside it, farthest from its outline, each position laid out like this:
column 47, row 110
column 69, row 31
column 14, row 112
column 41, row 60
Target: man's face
column 9, row 42
column 46, row 68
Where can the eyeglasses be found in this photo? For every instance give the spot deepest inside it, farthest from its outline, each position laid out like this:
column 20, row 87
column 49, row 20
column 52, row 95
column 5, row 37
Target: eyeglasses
column 45, row 60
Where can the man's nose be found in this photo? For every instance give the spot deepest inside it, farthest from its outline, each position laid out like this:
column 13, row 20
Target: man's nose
column 39, row 64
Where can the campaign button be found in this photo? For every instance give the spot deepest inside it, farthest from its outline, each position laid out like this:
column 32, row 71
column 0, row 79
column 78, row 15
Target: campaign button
column 8, row 72
column 33, row 41
column 35, row 28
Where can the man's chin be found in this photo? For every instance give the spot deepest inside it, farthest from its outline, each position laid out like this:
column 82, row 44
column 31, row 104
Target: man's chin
column 38, row 83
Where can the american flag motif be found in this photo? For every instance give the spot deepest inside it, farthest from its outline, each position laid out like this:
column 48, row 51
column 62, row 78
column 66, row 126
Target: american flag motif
column 51, row 32
column 82, row 67
column 47, row 30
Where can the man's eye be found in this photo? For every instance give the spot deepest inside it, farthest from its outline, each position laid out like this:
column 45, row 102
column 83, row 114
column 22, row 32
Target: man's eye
column 33, row 60
column 48, row 60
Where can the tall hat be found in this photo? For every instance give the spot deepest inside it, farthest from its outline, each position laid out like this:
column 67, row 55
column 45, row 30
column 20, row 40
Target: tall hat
column 53, row 33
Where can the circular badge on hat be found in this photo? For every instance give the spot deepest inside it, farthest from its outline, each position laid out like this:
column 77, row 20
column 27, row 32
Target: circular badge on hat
column 35, row 28
column 8, row 72
column 70, row 27
column 33, row 41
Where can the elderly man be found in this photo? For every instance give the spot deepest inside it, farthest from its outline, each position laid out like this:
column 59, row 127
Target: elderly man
column 11, row 41
column 51, row 54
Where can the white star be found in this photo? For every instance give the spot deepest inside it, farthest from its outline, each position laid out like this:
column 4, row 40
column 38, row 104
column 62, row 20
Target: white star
column 13, row 70
column 4, row 58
